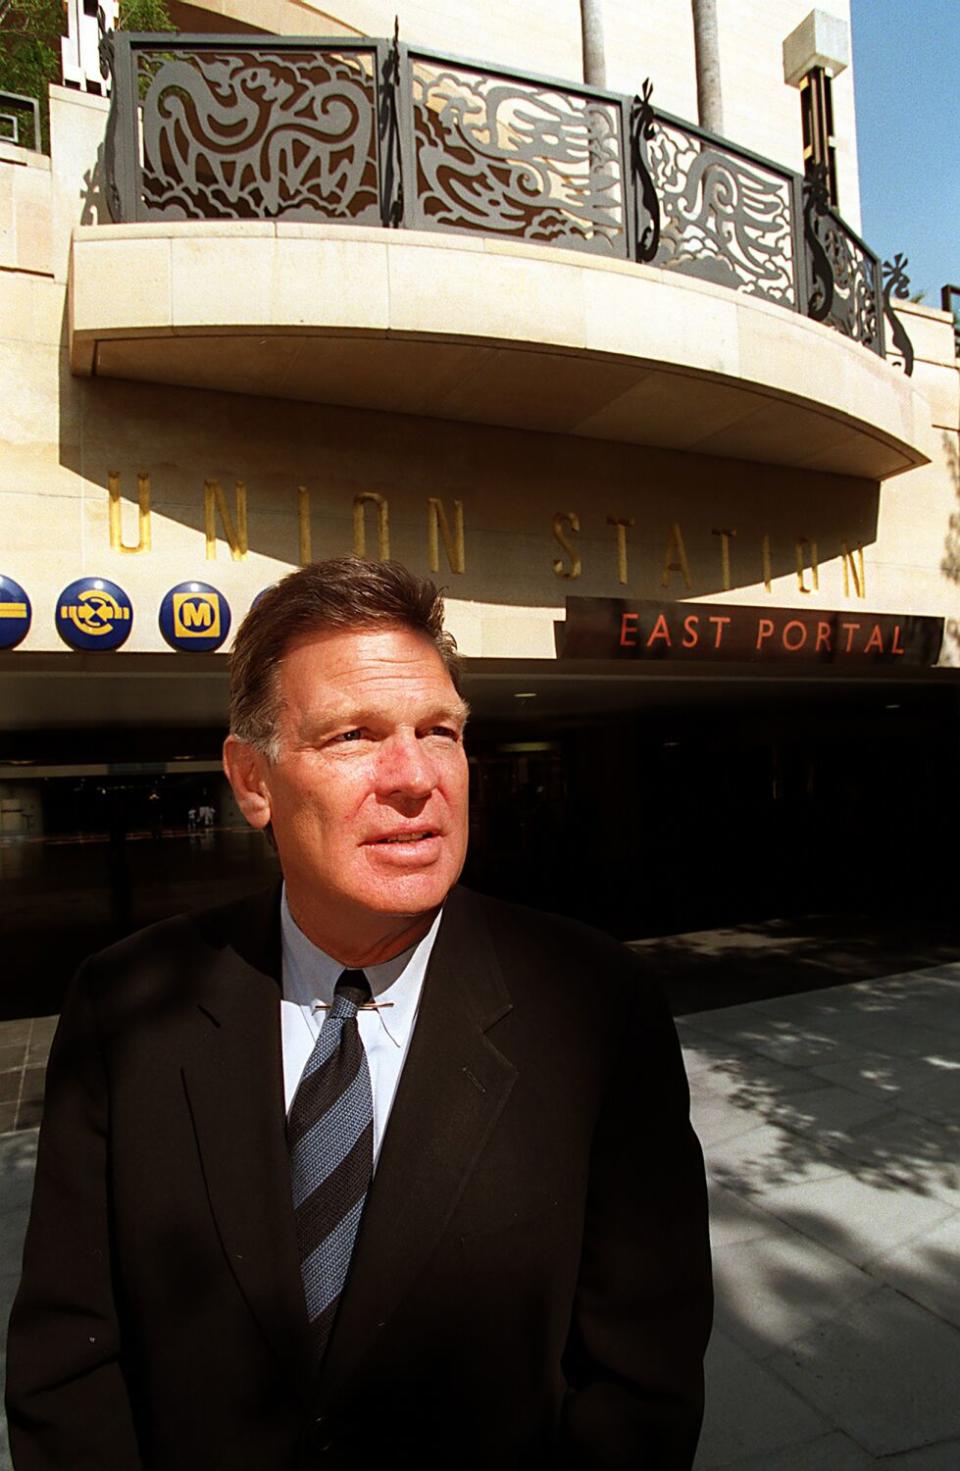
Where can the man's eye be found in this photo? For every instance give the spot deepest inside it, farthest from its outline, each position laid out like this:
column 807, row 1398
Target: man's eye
column 350, row 735
column 445, row 730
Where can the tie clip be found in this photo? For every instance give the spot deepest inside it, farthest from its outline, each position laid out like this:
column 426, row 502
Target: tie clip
column 364, row 1005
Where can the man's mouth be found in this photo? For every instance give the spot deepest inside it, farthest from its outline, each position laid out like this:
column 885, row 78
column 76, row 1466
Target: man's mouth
column 417, row 837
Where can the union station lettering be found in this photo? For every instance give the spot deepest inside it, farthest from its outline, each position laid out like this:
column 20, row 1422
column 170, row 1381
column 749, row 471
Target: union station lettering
column 445, row 528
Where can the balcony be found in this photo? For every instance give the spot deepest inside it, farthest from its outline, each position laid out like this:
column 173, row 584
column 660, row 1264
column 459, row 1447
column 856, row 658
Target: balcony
column 374, row 225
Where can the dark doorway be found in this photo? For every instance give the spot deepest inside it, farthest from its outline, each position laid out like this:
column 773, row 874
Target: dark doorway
column 718, row 810
column 704, row 805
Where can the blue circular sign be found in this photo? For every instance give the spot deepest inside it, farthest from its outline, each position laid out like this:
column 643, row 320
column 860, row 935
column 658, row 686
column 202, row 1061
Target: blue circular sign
column 94, row 613
column 15, row 613
column 194, row 617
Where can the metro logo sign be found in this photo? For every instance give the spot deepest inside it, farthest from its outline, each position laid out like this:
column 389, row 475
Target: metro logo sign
column 94, row 614
column 194, row 618
column 15, row 613
column 196, row 615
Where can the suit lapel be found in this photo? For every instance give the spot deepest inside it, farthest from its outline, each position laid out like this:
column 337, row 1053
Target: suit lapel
column 453, row 1088
column 234, row 1083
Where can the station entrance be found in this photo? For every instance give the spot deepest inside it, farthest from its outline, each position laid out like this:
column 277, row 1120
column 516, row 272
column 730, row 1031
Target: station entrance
column 648, row 807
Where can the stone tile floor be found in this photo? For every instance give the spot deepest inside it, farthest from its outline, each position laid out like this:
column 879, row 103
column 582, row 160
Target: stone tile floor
column 829, row 1123
column 831, row 1127
column 24, row 1046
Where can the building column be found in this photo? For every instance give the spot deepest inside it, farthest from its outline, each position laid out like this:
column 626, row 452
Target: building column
column 706, row 43
column 594, row 62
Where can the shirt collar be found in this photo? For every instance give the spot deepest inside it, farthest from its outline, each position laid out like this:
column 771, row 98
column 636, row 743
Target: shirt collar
column 310, row 974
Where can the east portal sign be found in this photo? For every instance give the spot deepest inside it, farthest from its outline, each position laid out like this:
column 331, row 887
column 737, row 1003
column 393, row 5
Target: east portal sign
column 622, row 628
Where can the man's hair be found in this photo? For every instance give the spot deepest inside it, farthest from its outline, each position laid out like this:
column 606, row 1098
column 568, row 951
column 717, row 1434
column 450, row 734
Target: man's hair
column 338, row 595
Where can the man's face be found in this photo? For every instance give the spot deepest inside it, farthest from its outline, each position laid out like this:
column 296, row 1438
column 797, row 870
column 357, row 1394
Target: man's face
column 368, row 795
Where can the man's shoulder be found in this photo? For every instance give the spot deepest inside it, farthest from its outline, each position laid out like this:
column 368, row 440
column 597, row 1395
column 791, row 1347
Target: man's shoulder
column 172, row 949
column 566, row 987
column 509, row 918
column 532, row 940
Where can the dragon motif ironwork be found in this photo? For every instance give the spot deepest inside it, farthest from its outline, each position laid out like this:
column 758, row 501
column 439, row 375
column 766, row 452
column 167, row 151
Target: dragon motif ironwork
column 257, row 134
column 896, row 283
column 391, row 205
column 642, row 130
column 375, row 133
column 723, row 218
column 107, row 58
column 843, row 273
column 503, row 157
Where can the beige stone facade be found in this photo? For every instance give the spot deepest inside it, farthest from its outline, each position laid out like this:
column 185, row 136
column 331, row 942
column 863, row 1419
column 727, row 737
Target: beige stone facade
column 218, row 399
column 495, row 408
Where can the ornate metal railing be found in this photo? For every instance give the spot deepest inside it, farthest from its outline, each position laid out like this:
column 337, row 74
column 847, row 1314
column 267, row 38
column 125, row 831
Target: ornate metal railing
column 726, row 215
column 376, row 132
column 506, row 155
column 20, row 120
column 950, row 302
column 847, row 286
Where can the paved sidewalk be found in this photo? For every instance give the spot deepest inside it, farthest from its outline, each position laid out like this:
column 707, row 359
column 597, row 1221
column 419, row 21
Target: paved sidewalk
column 24, row 1049
column 829, row 1121
column 17, row 1156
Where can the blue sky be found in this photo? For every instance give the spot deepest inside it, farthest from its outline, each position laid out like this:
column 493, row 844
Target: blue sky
column 906, row 56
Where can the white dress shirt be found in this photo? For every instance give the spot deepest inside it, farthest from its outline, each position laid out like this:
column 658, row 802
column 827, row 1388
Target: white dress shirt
column 309, row 978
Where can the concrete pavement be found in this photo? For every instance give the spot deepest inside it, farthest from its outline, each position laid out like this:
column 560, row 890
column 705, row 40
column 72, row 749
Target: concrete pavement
column 829, row 1122
column 17, row 1157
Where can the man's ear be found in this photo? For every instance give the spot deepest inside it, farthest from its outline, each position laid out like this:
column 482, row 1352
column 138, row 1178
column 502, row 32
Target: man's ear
column 246, row 771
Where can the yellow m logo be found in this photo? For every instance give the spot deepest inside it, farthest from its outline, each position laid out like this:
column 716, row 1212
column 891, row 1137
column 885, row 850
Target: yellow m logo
column 196, row 615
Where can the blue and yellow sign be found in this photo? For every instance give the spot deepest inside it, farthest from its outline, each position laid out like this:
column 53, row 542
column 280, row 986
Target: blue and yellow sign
column 15, row 613
column 194, row 617
column 93, row 613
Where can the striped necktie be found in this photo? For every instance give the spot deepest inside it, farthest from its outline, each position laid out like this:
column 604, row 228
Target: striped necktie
column 330, row 1137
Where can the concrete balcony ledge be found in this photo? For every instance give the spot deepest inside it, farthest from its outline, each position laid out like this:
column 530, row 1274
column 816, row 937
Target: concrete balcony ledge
column 487, row 331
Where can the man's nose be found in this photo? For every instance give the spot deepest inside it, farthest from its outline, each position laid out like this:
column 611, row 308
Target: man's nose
column 405, row 768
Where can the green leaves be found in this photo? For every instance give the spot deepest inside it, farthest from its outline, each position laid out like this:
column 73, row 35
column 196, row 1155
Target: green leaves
column 144, row 15
column 30, row 32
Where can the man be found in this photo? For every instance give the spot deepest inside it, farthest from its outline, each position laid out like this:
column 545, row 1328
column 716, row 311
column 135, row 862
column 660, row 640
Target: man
column 375, row 1173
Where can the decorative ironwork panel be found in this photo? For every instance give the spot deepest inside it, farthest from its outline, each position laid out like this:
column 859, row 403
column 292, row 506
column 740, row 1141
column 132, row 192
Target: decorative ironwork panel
column 501, row 156
column 896, row 283
column 646, row 204
column 950, row 302
column 260, row 128
column 723, row 218
column 259, row 134
column 845, row 290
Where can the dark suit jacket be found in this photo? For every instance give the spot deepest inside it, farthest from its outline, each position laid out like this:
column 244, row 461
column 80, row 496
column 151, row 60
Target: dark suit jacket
column 530, row 1285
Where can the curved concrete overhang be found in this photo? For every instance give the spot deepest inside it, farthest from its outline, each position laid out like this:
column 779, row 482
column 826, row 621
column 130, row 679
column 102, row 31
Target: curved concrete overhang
column 486, row 331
